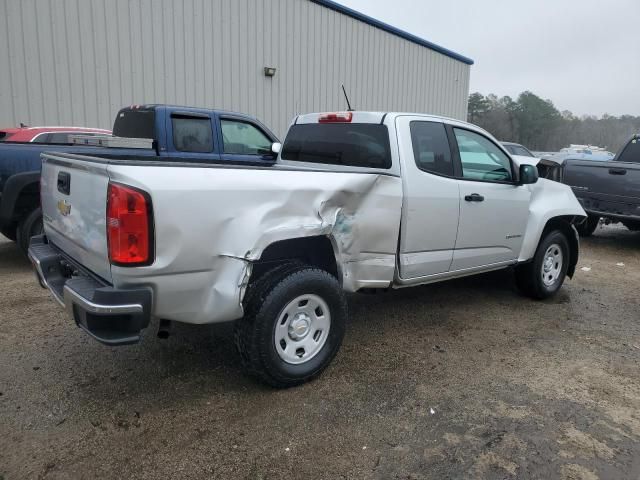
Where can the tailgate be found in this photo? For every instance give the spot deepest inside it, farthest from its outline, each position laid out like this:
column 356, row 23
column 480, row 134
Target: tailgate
column 608, row 187
column 74, row 202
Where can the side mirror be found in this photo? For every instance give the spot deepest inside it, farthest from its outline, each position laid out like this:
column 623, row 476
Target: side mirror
column 275, row 148
column 528, row 174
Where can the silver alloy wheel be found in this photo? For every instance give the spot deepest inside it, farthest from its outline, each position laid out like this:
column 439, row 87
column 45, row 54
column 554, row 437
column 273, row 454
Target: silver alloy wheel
column 551, row 265
column 302, row 329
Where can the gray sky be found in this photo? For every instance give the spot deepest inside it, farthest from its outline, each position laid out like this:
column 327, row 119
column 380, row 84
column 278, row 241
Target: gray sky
column 584, row 55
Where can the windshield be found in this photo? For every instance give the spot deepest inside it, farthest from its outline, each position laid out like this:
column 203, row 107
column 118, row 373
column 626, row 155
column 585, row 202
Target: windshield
column 518, row 150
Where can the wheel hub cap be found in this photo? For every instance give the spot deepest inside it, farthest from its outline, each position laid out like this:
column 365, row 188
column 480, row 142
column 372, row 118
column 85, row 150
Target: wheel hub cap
column 302, row 329
column 299, row 327
column 552, row 265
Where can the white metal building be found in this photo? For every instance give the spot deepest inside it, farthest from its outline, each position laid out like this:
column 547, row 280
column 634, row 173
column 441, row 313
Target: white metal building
column 76, row 62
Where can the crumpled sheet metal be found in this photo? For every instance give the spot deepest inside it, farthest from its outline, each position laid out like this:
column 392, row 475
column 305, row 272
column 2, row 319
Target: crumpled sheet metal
column 211, row 224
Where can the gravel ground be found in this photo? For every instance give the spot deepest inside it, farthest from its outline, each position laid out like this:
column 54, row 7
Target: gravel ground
column 464, row 379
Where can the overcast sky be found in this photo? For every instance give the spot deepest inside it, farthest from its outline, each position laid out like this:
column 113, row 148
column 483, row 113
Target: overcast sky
column 584, row 55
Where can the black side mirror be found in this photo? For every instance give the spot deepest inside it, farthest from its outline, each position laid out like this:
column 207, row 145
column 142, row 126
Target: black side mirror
column 528, row 174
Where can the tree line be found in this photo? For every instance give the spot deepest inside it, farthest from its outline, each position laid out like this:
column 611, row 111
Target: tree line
column 539, row 125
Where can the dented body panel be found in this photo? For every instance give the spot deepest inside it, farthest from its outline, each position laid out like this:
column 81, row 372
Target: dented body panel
column 215, row 222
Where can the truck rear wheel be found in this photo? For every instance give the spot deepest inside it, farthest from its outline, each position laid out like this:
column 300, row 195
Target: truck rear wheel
column 28, row 227
column 544, row 275
column 294, row 323
column 588, row 226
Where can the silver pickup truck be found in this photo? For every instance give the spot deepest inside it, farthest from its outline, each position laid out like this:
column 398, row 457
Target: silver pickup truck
column 355, row 201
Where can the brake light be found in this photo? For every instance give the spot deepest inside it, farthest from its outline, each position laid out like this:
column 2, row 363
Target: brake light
column 129, row 229
column 338, row 117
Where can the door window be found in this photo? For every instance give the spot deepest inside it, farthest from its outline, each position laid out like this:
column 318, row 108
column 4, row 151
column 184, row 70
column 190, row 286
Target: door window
column 431, row 148
column 243, row 138
column 481, row 159
column 631, row 152
column 192, row 134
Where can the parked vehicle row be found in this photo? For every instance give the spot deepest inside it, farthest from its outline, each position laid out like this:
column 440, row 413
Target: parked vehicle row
column 353, row 201
column 188, row 134
column 608, row 189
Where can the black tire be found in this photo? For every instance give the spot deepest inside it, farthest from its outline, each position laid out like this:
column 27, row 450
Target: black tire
column 588, row 226
column 28, row 227
column 9, row 232
column 264, row 303
column 529, row 277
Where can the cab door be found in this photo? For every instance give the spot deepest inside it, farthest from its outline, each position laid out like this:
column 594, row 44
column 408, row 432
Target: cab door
column 494, row 209
column 431, row 198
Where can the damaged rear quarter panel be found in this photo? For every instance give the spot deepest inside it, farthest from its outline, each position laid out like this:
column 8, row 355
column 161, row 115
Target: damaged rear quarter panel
column 211, row 223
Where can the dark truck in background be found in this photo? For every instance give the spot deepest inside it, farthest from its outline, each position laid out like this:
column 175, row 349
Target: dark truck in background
column 175, row 133
column 606, row 189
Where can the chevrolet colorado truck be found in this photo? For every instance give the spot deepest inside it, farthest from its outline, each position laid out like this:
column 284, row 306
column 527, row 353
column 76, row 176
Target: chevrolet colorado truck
column 356, row 201
column 187, row 133
column 608, row 189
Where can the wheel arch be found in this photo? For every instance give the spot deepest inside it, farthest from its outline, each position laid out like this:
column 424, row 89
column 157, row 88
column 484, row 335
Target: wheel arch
column 317, row 250
column 565, row 224
column 20, row 195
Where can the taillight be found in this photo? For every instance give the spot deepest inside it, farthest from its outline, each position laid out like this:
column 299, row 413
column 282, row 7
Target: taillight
column 338, row 117
column 129, row 228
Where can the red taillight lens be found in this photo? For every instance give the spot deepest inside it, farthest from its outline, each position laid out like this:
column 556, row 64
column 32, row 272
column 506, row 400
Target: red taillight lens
column 339, row 117
column 129, row 235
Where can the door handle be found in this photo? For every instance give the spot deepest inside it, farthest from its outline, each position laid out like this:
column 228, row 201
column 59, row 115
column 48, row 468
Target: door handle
column 474, row 197
column 617, row 171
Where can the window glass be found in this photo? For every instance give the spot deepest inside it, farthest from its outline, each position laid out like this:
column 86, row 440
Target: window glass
column 631, row 152
column 431, row 147
column 351, row 144
column 135, row 123
column 41, row 138
column 61, row 137
column 481, row 159
column 191, row 134
column 518, row 150
column 243, row 138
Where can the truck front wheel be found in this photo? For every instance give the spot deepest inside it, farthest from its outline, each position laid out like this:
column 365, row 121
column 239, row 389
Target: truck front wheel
column 543, row 276
column 294, row 322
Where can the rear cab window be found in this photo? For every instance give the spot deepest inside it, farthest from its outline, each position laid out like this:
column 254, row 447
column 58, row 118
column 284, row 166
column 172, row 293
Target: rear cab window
column 346, row 144
column 135, row 123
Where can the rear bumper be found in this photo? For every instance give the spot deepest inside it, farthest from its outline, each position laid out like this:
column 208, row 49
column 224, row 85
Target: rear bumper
column 111, row 316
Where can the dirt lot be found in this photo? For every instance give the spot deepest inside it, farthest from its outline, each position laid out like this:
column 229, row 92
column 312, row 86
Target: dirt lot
column 459, row 380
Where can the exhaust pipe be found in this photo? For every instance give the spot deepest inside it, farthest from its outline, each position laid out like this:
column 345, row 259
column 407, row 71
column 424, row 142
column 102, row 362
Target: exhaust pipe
column 164, row 329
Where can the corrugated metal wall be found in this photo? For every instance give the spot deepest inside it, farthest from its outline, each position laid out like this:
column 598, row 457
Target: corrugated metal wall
column 76, row 62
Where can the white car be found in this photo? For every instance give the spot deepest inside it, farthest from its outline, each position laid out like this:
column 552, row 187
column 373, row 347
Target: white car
column 355, row 201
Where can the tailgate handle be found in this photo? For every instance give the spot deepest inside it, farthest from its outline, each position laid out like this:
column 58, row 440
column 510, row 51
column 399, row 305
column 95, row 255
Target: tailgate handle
column 64, row 183
column 617, row 171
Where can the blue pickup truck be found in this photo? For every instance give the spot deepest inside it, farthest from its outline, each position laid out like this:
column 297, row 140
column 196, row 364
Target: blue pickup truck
column 178, row 134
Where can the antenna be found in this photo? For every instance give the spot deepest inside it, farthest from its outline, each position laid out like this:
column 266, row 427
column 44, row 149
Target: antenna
column 347, row 99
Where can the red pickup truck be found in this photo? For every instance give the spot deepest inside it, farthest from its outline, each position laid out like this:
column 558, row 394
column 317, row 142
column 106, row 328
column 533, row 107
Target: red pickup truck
column 47, row 134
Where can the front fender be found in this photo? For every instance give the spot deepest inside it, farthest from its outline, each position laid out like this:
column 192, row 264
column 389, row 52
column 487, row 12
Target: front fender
column 549, row 200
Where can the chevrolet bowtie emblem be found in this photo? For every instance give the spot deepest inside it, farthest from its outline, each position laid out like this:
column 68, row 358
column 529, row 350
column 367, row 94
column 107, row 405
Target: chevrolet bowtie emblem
column 64, row 207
